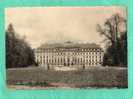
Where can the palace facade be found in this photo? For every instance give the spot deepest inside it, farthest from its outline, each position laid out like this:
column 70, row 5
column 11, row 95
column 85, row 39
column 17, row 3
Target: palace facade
column 69, row 54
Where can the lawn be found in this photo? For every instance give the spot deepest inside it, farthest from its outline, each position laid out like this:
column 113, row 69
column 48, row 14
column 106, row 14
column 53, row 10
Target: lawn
column 93, row 77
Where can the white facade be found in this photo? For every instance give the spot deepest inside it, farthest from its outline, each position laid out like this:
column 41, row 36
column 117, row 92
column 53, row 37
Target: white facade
column 74, row 55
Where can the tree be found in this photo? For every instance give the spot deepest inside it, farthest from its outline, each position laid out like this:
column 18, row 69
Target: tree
column 18, row 52
column 114, row 31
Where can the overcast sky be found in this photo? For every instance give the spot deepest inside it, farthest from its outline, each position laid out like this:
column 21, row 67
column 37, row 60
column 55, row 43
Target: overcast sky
column 59, row 24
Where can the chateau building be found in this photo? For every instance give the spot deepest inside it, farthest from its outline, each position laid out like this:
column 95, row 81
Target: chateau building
column 69, row 54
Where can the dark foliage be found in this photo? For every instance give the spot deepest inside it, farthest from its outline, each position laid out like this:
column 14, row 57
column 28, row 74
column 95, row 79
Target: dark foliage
column 18, row 52
column 116, row 37
column 116, row 55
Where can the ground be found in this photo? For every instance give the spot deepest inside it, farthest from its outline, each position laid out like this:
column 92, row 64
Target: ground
column 97, row 77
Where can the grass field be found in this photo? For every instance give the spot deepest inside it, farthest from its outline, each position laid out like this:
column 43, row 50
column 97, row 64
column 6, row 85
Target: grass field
column 93, row 77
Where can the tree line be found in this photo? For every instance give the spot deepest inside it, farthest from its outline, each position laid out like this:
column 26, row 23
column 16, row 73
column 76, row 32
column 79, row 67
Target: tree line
column 115, row 32
column 18, row 51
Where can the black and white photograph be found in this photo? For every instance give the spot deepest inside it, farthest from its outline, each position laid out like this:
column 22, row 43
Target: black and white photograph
column 66, row 47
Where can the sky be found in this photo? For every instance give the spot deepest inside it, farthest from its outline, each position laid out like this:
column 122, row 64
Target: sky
column 41, row 25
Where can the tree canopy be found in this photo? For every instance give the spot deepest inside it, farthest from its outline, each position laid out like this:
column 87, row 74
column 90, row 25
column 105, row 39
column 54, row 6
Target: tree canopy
column 18, row 51
column 115, row 32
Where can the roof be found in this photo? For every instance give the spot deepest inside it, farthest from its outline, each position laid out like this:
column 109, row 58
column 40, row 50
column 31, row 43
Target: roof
column 69, row 45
